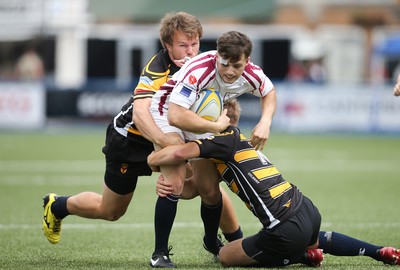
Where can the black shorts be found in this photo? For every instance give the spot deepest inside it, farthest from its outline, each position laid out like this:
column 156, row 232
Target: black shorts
column 126, row 160
column 287, row 240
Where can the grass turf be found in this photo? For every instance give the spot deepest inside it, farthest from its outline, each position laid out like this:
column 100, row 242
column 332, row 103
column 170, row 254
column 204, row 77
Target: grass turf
column 354, row 181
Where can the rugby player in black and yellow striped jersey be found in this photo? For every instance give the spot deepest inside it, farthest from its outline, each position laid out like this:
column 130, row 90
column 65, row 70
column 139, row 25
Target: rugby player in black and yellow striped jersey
column 290, row 221
column 130, row 137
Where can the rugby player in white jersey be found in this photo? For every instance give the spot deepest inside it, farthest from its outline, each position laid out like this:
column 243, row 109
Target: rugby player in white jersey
column 229, row 71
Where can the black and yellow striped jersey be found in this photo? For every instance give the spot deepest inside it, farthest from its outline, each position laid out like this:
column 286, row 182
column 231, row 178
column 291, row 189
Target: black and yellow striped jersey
column 250, row 175
column 157, row 71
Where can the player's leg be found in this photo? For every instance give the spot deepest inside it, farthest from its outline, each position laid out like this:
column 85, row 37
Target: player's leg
column 109, row 206
column 282, row 245
column 232, row 254
column 338, row 244
column 229, row 223
column 246, row 252
column 165, row 211
column 206, row 179
column 231, row 229
column 120, row 183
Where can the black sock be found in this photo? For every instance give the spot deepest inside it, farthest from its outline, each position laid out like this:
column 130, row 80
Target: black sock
column 164, row 217
column 238, row 234
column 59, row 207
column 211, row 215
column 342, row 245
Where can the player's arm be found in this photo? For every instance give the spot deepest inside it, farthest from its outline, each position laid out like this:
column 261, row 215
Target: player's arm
column 260, row 133
column 187, row 120
column 173, row 154
column 146, row 125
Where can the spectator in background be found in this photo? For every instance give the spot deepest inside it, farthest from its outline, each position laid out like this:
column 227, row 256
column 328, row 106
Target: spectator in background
column 297, row 72
column 396, row 88
column 316, row 71
column 307, row 71
column 29, row 66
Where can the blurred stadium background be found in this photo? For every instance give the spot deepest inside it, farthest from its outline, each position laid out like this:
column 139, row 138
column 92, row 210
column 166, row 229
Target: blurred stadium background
column 333, row 62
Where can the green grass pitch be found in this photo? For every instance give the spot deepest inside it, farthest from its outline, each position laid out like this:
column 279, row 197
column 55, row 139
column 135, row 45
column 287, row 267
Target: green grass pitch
column 354, row 181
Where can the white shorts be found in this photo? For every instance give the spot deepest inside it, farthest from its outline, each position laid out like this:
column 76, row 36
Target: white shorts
column 162, row 122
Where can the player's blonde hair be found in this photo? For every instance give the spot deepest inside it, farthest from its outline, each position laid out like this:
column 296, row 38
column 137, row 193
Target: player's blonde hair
column 234, row 111
column 180, row 21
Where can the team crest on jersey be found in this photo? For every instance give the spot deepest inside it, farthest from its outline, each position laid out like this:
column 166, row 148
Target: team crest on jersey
column 124, row 168
column 192, row 79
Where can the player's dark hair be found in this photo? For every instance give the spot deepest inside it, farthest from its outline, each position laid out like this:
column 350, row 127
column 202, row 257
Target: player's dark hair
column 234, row 111
column 232, row 45
column 181, row 21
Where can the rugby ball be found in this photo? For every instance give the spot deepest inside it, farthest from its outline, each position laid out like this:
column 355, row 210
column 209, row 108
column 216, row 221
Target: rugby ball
column 208, row 105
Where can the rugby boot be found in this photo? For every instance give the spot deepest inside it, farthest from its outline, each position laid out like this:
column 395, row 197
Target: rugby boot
column 51, row 225
column 390, row 255
column 314, row 257
column 162, row 260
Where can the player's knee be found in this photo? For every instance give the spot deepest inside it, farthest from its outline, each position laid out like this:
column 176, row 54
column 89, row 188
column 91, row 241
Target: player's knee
column 211, row 197
column 178, row 187
column 114, row 215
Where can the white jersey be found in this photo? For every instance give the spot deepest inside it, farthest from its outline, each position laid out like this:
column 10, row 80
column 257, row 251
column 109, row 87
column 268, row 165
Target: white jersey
column 201, row 73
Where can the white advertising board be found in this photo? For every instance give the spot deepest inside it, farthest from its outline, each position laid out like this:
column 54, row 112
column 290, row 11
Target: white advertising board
column 22, row 106
column 359, row 109
column 331, row 108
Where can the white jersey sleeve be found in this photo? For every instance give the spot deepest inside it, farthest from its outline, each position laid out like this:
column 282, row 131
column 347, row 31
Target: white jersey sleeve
column 255, row 76
column 196, row 75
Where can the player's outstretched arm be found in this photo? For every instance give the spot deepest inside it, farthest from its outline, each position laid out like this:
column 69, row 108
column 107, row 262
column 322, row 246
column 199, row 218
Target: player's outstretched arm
column 260, row 133
column 173, row 154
